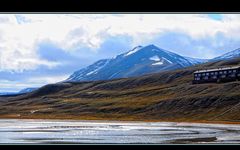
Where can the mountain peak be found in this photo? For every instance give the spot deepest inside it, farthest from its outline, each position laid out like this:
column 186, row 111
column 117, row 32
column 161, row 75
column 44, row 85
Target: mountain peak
column 137, row 48
column 138, row 61
column 151, row 46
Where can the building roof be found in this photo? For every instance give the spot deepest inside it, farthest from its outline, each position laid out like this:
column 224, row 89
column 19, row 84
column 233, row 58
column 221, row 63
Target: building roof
column 217, row 69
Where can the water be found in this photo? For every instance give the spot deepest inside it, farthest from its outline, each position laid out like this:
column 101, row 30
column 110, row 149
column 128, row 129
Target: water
column 65, row 131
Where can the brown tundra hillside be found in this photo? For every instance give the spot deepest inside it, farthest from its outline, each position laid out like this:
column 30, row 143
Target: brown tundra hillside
column 165, row 96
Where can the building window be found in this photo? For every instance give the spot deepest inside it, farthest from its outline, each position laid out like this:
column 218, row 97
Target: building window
column 216, row 73
column 220, row 72
column 223, row 76
column 196, row 75
column 234, row 71
column 212, row 73
column 230, row 71
column 207, row 74
column 203, row 74
column 225, row 72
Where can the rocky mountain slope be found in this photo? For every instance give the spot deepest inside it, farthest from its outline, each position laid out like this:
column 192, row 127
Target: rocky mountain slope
column 137, row 62
column 140, row 61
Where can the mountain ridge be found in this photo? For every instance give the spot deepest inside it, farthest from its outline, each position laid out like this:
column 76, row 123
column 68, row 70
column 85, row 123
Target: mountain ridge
column 136, row 62
column 229, row 55
column 158, row 60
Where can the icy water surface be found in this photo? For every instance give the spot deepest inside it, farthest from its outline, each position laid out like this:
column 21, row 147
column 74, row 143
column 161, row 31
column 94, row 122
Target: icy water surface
column 65, row 131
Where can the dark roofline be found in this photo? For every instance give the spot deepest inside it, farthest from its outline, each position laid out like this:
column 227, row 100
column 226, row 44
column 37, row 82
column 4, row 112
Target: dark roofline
column 217, row 69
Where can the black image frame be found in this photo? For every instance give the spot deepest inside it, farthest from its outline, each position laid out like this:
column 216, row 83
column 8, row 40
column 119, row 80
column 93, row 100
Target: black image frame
column 96, row 6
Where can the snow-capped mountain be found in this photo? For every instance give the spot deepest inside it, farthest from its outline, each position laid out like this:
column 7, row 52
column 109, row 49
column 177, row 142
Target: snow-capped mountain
column 138, row 61
column 232, row 54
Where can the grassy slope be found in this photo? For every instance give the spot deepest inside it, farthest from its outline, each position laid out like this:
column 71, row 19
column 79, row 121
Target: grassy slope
column 166, row 96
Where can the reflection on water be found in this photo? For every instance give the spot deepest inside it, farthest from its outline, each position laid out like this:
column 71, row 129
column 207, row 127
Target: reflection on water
column 62, row 131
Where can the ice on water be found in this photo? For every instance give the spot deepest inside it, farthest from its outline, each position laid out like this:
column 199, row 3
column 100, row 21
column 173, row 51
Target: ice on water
column 66, row 131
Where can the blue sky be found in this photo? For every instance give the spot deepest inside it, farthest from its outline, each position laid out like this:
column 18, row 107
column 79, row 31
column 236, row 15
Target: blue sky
column 37, row 49
column 215, row 16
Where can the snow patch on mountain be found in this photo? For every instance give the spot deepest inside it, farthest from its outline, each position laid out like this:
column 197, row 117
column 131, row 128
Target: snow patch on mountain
column 157, row 63
column 98, row 68
column 167, row 60
column 133, row 51
column 92, row 69
column 155, row 58
column 91, row 72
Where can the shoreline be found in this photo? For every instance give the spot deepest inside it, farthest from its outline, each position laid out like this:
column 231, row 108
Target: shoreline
column 123, row 120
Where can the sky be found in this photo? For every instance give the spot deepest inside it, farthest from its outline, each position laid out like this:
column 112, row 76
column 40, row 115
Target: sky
column 38, row 49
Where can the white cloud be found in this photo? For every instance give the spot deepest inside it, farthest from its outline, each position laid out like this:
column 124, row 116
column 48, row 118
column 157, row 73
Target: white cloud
column 19, row 41
column 21, row 35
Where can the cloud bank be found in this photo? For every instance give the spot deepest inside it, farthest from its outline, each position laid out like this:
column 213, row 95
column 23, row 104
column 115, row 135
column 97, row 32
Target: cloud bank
column 57, row 44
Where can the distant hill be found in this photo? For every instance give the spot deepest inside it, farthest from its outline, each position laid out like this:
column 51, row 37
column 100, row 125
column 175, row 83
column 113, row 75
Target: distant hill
column 7, row 93
column 230, row 55
column 23, row 91
column 136, row 62
column 27, row 90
